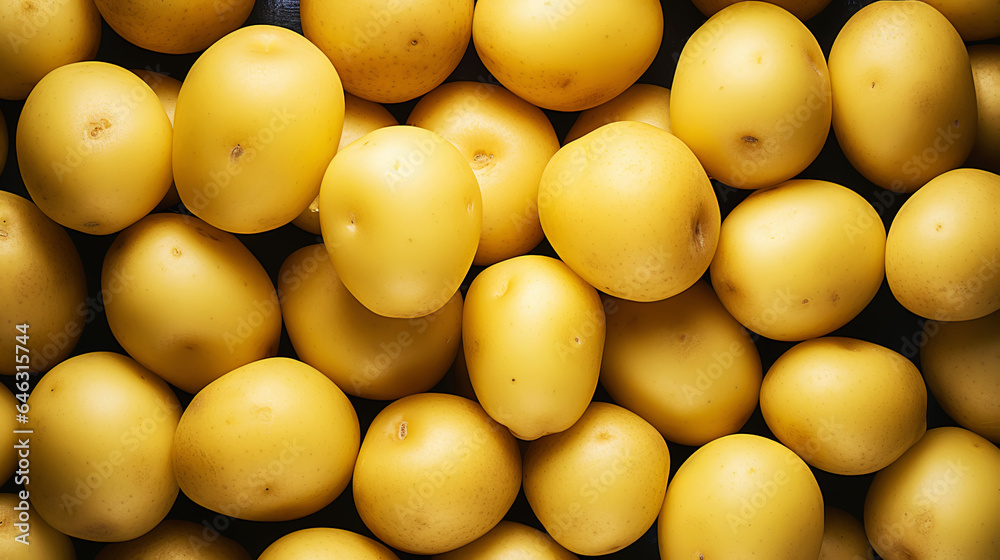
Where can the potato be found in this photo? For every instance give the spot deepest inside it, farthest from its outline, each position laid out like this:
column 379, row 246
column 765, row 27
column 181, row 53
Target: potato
column 508, row 142
column 188, row 301
column 360, row 118
column 324, row 543
column 533, row 334
column 941, row 255
column 174, row 26
column 961, row 364
column 843, row 537
column 257, row 121
column 751, row 95
column 8, row 441
column 742, row 496
column 174, row 539
column 799, row 260
column 42, row 35
column 44, row 288
column 567, row 56
column 389, row 51
column 985, row 61
column 269, row 441
column 974, row 20
column 629, row 208
column 802, row 9
column 166, row 90
column 846, row 406
column 407, row 195
column 904, row 100
column 102, row 473
column 597, row 486
column 365, row 354
column 646, row 103
column 683, row 364
column 43, row 542
column 93, row 147
column 462, row 473
column 940, row 500
column 509, row 541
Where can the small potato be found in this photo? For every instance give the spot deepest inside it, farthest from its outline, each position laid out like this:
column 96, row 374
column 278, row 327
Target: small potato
column 985, row 60
column 942, row 255
column 510, row 541
column 176, row 540
column 166, row 90
column 843, row 537
column 324, row 543
column 646, row 103
column 174, row 26
column 273, row 440
column 43, row 542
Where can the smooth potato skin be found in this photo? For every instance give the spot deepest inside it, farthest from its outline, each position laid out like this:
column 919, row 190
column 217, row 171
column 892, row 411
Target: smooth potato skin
column 324, row 543
column 985, row 61
column 509, row 541
column 974, row 20
column 646, row 103
column 174, row 26
column 843, row 537
column 175, row 540
column 45, row 543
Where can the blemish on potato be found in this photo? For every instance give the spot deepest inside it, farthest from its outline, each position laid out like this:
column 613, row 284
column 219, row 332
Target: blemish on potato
column 750, row 139
column 235, row 154
column 402, row 430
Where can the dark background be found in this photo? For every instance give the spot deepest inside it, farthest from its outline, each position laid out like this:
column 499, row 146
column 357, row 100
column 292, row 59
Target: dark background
column 883, row 322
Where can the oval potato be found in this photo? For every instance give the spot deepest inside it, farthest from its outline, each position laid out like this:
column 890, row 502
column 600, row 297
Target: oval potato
column 174, row 26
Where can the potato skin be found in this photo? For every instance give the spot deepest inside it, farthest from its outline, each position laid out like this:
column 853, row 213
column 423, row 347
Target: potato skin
column 325, row 543
column 173, row 539
column 44, row 542
column 510, row 540
column 985, row 60
column 174, row 26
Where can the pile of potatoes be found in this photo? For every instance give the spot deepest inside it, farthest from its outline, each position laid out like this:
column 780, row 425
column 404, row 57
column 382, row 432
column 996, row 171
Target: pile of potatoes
column 503, row 279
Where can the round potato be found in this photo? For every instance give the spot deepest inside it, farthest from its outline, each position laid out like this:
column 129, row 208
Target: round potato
column 683, row 364
column 646, row 103
column 365, row 354
column 44, row 288
column 751, row 95
column 533, row 334
column 324, row 543
column 102, row 473
column 390, row 51
column 463, row 472
column 93, row 147
column 42, row 35
column 985, row 60
column 942, row 255
column 360, row 118
column 961, row 364
column 598, row 486
column 508, row 142
column 904, row 100
column 174, row 539
column 567, row 56
column 269, row 441
column 940, row 500
column 843, row 537
column 166, row 89
column 629, row 208
column 846, row 406
column 257, row 121
column 799, row 260
column 974, row 20
column 802, row 9
column 408, row 196
column 188, row 301
column 21, row 525
column 742, row 496
column 510, row 540
column 174, row 26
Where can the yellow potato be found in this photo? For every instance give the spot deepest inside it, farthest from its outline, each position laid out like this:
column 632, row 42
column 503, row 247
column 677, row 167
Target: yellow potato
column 742, row 496
column 533, row 334
column 365, row 354
column 751, row 95
column 389, row 51
column 510, row 541
column 598, row 486
column 166, row 90
column 802, row 9
column 985, row 60
column 629, row 208
column 508, row 142
column 904, row 101
column 174, row 26
column 93, row 146
column 257, row 121
column 683, row 364
column 843, row 537
column 567, row 55
column 188, row 301
column 799, row 260
column 940, row 500
column 845, row 406
column 961, row 364
column 401, row 213
column 360, row 118
column 8, row 441
column 44, row 288
column 646, row 103
column 42, row 35
column 173, row 539
column 942, row 255
column 973, row 19
column 269, row 441
column 324, row 543
column 31, row 538
column 462, row 473
column 102, row 473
